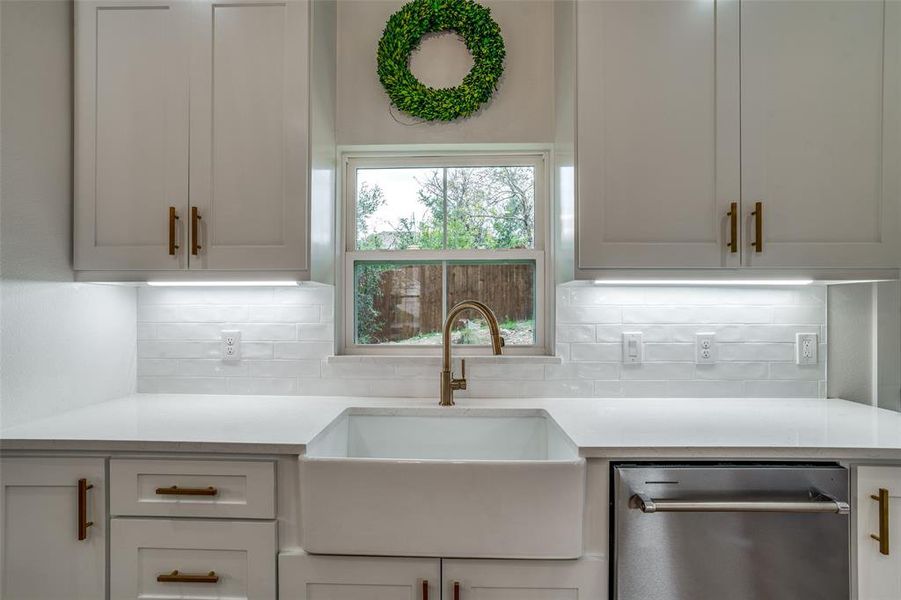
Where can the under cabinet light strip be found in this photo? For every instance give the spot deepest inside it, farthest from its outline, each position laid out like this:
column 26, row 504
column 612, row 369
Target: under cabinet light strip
column 223, row 283
column 711, row 282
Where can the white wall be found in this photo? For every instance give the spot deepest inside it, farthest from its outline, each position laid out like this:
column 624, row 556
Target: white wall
column 288, row 335
column 62, row 344
column 522, row 111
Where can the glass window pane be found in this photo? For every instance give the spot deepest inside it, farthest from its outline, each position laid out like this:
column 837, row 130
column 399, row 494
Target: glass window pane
column 397, row 303
column 508, row 288
column 400, row 209
column 490, row 207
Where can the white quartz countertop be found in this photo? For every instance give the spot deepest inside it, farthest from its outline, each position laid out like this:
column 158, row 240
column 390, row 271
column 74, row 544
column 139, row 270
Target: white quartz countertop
column 622, row 428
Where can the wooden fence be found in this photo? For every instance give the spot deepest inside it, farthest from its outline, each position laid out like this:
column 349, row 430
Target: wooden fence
column 410, row 296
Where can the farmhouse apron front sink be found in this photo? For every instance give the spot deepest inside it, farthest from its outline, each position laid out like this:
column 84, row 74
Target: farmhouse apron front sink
column 449, row 482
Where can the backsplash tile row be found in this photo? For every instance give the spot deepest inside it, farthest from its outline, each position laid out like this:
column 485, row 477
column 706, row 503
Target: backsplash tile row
column 288, row 339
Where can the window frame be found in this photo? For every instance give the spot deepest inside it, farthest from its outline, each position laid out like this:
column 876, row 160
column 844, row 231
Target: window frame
column 538, row 160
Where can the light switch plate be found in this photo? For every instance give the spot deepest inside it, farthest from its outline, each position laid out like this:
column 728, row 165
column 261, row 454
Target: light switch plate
column 806, row 348
column 705, row 348
column 632, row 350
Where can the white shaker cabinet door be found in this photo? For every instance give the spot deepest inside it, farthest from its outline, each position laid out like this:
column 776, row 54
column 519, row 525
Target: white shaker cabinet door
column 131, row 134
column 658, row 133
column 309, row 577
column 821, row 131
column 250, row 135
column 41, row 554
column 878, row 574
column 583, row 579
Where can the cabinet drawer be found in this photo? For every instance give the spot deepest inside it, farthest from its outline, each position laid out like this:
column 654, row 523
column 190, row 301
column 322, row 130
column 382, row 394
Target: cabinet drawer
column 236, row 559
column 192, row 488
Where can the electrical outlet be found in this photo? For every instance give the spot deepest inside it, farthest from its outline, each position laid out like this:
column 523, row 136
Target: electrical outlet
column 806, row 348
column 231, row 345
column 632, row 350
column 705, row 348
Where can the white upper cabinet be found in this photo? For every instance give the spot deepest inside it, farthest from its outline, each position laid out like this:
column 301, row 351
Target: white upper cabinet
column 688, row 106
column 131, row 127
column 192, row 129
column 820, row 131
column 658, row 140
column 249, row 132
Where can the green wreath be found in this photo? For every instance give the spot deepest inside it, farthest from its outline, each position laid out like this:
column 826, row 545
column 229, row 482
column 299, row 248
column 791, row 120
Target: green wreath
column 402, row 35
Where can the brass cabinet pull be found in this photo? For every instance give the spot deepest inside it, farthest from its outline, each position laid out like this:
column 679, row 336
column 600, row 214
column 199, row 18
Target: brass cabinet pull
column 425, row 589
column 195, row 217
column 177, row 577
column 757, row 213
column 180, row 491
column 733, row 227
column 83, row 523
column 882, row 538
column 456, row 590
column 173, row 217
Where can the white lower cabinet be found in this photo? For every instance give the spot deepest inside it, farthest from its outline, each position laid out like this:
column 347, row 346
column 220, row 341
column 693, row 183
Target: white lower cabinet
column 878, row 564
column 583, row 579
column 308, row 577
column 163, row 558
column 52, row 529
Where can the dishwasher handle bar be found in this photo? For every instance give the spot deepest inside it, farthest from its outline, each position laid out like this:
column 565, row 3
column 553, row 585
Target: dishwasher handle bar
column 819, row 503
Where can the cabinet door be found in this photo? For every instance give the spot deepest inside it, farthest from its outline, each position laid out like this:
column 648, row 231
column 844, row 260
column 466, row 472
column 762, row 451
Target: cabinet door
column 249, row 134
column 658, row 133
column 309, row 577
column 878, row 575
column 160, row 558
column 583, row 579
column 820, row 134
column 40, row 553
column 131, row 133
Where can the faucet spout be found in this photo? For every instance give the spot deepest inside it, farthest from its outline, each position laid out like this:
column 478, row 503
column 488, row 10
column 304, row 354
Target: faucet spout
column 448, row 382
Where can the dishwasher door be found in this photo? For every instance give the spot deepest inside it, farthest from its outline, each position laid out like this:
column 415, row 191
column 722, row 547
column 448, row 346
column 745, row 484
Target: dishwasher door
column 731, row 532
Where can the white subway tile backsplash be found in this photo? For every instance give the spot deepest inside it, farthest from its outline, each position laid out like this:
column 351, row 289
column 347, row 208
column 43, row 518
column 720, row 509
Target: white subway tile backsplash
column 596, row 352
column 284, row 314
column 288, row 335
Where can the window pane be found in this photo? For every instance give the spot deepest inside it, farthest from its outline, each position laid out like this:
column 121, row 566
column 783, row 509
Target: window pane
column 400, row 209
column 397, row 303
column 508, row 288
column 490, row 207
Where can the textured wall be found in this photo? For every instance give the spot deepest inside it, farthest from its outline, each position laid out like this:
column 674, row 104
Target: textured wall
column 62, row 344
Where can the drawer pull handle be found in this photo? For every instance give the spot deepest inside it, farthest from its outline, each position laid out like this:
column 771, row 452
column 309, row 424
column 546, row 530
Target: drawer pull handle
column 83, row 523
column 456, row 590
column 882, row 538
column 176, row 577
column 180, row 491
column 425, row 589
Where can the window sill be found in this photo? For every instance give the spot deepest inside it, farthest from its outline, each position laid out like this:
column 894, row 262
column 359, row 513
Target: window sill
column 420, row 360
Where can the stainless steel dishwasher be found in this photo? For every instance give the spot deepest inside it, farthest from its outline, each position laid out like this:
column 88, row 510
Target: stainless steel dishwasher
column 730, row 532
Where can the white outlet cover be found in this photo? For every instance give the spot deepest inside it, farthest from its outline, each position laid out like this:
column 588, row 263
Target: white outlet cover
column 231, row 345
column 806, row 349
column 705, row 348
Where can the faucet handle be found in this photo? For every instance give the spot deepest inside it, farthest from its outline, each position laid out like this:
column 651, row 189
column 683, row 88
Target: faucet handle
column 459, row 383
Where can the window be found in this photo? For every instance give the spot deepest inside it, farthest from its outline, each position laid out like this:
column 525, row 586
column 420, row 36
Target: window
column 424, row 233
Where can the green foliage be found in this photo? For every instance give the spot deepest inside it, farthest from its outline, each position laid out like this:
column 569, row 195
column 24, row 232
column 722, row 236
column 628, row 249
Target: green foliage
column 402, row 35
column 487, row 208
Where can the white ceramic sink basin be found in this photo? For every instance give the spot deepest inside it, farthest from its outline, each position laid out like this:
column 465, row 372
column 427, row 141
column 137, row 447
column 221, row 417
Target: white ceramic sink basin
column 443, row 482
